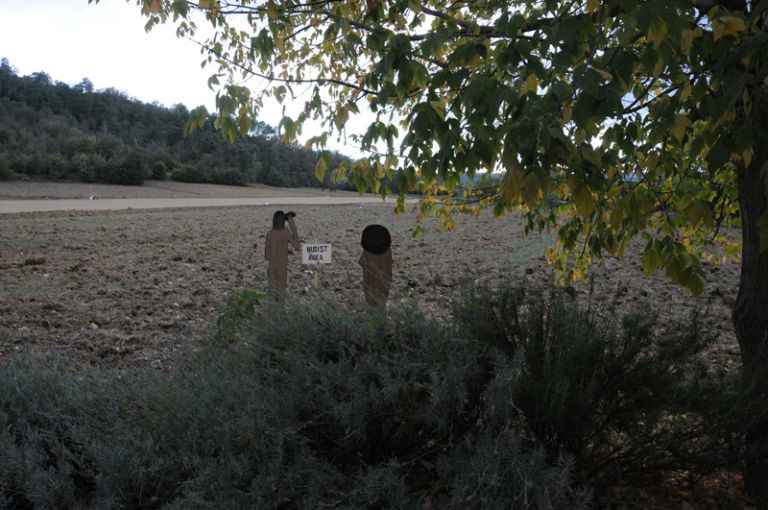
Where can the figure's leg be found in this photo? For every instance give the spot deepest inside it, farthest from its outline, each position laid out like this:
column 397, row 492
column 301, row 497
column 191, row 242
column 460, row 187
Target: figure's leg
column 277, row 281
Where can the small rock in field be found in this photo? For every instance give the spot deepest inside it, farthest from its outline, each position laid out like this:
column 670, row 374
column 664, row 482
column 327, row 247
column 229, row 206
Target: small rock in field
column 34, row 260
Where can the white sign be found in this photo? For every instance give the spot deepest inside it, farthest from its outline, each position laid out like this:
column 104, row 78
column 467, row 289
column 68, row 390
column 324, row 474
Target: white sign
column 315, row 253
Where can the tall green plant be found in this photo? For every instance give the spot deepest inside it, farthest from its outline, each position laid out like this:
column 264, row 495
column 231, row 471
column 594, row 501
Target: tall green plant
column 620, row 393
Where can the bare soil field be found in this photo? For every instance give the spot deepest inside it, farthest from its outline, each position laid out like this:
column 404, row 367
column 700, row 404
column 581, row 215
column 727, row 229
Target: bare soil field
column 141, row 285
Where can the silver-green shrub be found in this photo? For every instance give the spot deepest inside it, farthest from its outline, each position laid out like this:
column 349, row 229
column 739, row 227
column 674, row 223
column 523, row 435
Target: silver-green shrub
column 621, row 394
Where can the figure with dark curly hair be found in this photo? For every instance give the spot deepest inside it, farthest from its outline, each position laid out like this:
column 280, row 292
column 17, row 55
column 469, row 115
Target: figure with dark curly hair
column 377, row 264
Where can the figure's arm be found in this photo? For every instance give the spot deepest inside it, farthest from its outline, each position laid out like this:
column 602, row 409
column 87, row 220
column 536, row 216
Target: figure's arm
column 294, row 238
column 267, row 243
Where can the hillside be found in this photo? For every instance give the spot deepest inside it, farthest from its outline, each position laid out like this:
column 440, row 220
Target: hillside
column 50, row 130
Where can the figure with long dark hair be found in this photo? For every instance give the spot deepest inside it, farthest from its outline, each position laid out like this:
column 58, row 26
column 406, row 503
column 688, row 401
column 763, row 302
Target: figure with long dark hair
column 276, row 253
column 377, row 264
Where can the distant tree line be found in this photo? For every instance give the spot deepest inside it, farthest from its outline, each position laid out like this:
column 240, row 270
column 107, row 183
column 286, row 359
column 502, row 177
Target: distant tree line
column 50, row 130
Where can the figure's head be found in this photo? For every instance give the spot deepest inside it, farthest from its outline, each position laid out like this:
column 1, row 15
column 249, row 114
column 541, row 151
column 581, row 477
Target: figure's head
column 376, row 239
column 278, row 220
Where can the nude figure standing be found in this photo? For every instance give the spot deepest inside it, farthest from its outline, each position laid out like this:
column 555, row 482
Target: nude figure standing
column 276, row 253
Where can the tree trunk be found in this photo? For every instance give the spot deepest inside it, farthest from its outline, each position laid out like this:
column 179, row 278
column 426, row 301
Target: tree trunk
column 750, row 319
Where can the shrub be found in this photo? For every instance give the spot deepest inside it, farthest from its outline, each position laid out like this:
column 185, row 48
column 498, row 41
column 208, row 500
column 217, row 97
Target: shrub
column 240, row 306
column 130, row 169
column 84, row 145
column 7, row 165
column 295, row 407
column 90, row 167
column 32, row 163
column 159, row 171
column 48, row 421
column 349, row 411
column 109, row 146
column 619, row 394
column 187, row 173
column 228, row 176
column 57, row 167
column 303, row 408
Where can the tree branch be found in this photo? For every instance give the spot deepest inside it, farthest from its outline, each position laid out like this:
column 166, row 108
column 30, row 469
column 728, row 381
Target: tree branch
column 285, row 80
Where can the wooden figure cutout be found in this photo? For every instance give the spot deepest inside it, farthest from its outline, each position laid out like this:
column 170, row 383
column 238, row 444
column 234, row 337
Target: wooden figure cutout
column 276, row 253
column 377, row 264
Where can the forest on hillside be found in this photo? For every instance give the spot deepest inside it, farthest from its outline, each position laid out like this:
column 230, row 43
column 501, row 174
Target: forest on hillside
column 51, row 130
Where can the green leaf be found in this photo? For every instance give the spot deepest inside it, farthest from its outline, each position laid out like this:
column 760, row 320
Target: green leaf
column 288, row 126
column 652, row 259
column 510, row 185
column 226, row 104
column 323, row 159
column 679, row 126
column 582, row 198
column 156, row 6
column 591, row 156
column 727, row 25
column 657, row 29
column 228, row 128
column 197, row 118
column 561, row 90
column 531, row 84
column 341, row 171
column 697, row 214
column 530, row 190
column 617, row 216
column 718, row 156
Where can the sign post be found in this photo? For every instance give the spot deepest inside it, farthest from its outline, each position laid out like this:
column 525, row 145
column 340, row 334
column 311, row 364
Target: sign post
column 316, row 254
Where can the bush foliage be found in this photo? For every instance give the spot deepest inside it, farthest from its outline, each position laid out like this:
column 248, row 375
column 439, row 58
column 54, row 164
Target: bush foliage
column 513, row 406
column 619, row 392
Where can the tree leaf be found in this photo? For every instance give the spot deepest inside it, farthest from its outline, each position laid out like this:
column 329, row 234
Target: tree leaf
column 727, row 25
column 652, row 259
column 617, row 216
column 657, row 29
column 509, row 185
column 530, row 190
column 321, row 166
column 439, row 107
column 531, row 84
column 679, row 126
column 582, row 198
column 686, row 40
column 698, row 214
column 605, row 74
